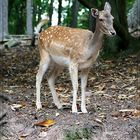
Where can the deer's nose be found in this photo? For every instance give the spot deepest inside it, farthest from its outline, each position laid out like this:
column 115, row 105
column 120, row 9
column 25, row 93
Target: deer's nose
column 113, row 33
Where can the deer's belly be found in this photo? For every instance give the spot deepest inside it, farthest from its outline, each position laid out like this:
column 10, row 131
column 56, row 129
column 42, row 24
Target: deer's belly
column 61, row 60
column 65, row 61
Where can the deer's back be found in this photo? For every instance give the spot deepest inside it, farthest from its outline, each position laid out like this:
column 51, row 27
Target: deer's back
column 65, row 38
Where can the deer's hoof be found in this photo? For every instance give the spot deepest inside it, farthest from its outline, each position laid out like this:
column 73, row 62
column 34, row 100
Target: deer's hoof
column 74, row 111
column 39, row 106
column 84, row 110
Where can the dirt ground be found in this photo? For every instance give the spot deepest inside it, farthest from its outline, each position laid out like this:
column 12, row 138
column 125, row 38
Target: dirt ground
column 112, row 100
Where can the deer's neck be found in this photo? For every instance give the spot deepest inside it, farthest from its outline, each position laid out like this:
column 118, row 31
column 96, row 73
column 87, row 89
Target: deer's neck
column 98, row 38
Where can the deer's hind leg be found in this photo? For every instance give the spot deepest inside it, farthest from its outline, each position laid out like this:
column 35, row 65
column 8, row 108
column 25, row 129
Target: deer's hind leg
column 55, row 71
column 44, row 64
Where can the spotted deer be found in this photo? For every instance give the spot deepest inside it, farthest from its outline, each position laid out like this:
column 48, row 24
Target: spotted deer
column 76, row 49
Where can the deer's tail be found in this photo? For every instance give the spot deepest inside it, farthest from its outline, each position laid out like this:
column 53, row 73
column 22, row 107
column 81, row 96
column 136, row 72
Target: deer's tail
column 40, row 26
column 38, row 29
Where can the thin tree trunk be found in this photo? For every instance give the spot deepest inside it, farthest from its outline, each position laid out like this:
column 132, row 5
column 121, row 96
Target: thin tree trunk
column 74, row 12
column 92, row 21
column 5, row 14
column 50, row 12
column 3, row 19
column 20, row 22
column 59, row 12
column 29, row 17
column 68, row 13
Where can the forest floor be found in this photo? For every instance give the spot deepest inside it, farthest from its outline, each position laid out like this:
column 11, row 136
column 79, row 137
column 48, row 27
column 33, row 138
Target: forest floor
column 112, row 101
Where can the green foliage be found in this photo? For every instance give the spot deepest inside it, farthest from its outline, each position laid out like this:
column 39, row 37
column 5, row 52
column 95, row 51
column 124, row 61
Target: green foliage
column 83, row 17
column 77, row 134
column 129, row 4
column 16, row 15
column 66, row 14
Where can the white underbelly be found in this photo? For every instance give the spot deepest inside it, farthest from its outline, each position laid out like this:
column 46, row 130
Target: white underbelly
column 65, row 61
column 61, row 60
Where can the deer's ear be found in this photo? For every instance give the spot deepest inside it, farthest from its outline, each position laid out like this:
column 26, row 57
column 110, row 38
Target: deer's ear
column 107, row 7
column 94, row 12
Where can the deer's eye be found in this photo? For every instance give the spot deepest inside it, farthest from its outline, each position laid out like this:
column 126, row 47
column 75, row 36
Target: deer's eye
column 101, row 19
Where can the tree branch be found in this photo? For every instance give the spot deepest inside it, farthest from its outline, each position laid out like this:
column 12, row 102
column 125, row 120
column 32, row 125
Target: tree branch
column 86, row 3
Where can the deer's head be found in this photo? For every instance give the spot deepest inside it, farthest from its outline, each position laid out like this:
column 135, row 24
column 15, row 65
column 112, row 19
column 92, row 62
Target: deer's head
column 104, row 20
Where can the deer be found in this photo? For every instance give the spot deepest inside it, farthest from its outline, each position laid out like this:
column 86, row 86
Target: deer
column 73, row 48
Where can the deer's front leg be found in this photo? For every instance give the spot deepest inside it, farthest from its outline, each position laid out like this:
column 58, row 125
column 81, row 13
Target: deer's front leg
column 84, row 76
column 73, row 69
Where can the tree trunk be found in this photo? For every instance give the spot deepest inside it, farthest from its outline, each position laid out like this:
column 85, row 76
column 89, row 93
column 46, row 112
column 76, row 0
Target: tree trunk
column 50, row 12
column 92, row 21
column 74, row 12
column 3, row 19
column 59, row 11
column 68, row 13
column 29, row 17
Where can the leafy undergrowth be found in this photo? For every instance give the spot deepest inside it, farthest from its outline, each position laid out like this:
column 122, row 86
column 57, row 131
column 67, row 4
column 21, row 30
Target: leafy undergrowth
column 112, row 100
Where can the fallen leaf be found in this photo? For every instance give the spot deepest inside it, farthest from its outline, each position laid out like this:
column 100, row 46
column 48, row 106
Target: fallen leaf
column 101, row 86
column 92, row 79
column 77, row 123
column 43, row 134
column 60, row 89
column 113, row 87
column 122, row 96
column 9, row 91
column 130, row 88
column 46, row 123
column 127, row 110
column 102, row 115
column 21, row 138
column 65, row 96
column 16, row 106
column 131, row 96
column 98, row 120
column 136, row 113
column 126, row 113
column 99, row 92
